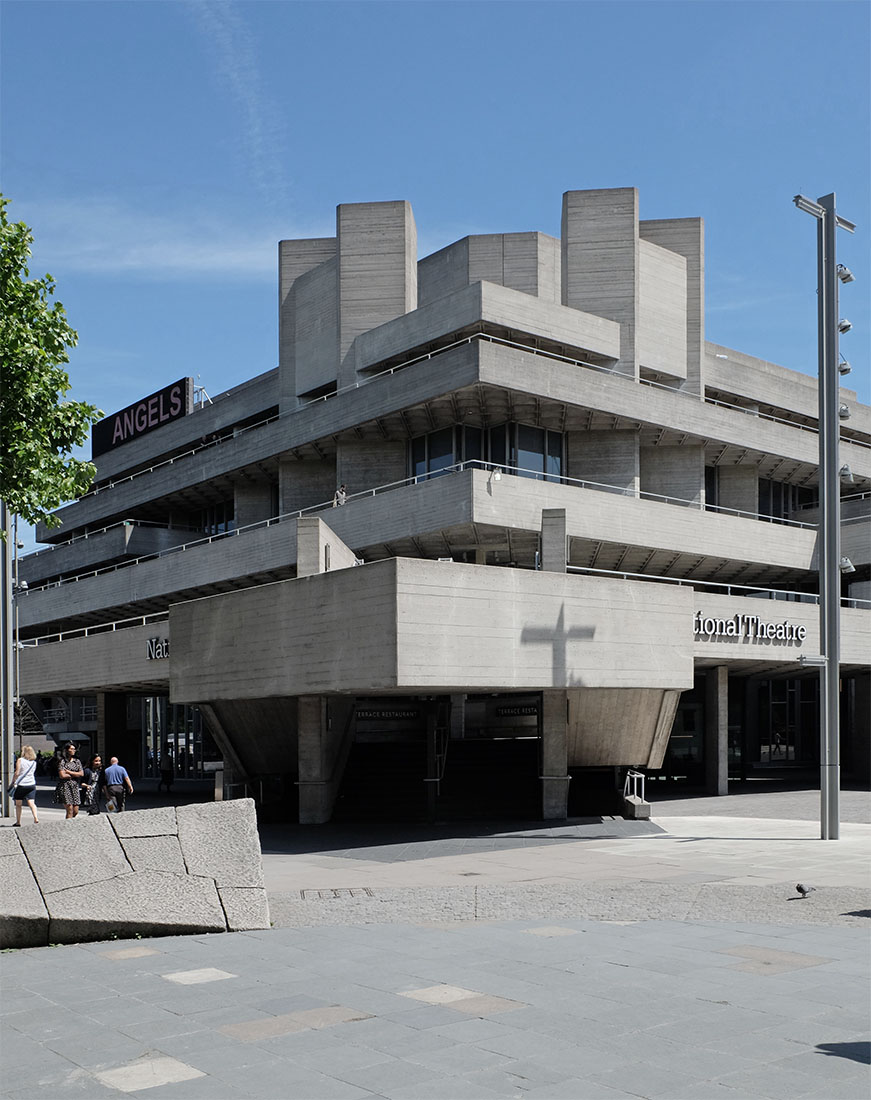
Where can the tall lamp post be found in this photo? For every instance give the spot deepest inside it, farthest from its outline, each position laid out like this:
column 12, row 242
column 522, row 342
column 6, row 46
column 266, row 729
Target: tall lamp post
column 7, row 688
column 831, row 412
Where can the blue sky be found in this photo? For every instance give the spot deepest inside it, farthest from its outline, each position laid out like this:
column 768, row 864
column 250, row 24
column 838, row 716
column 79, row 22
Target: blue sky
column 159, row 150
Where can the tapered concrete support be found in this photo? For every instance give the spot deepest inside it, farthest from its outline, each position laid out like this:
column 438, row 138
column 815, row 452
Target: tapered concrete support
column 321, row 760
column 717, row 730
column 553, row 540
column 554, row 756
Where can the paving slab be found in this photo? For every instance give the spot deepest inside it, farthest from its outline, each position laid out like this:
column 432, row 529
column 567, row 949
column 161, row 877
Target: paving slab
column 668, row 964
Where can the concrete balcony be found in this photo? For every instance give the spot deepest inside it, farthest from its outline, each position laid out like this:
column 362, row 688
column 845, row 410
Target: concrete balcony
column 489, row 372
column 458, row 514
column 121, row 542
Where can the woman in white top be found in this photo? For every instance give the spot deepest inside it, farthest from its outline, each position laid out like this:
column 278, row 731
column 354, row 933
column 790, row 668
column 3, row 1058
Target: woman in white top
column 24, row 783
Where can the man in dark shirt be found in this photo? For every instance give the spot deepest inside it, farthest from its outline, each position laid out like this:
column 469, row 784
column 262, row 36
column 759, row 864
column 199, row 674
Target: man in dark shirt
column 117, row 783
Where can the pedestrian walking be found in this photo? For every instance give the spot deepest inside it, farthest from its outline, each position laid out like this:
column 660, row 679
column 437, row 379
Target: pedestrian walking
column 117, row 783
column 93, row 785
column 340, row 497
column 167, row 771
column 23, row 785
column 70, row 774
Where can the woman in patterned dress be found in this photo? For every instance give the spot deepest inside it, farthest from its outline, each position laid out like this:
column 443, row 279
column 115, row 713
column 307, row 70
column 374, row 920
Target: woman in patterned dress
column 70, row 775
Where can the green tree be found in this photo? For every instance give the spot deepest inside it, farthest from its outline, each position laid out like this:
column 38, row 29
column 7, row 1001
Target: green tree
column 38, row 427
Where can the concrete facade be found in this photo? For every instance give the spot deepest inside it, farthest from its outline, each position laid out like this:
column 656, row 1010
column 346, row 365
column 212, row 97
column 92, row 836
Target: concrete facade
column 573, row 531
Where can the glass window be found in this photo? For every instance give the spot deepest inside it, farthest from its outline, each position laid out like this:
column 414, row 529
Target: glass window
column 473, row 444
column 498, row 448
column 441, row 450
column 554, row 456
column 418, row 456
column 530, row 451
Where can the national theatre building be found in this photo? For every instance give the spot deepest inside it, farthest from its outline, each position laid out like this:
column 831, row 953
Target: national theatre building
column 501, row 525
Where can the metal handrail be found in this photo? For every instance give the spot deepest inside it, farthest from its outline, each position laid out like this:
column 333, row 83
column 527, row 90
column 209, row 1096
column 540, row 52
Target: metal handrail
column 459, row 467
column 742, row 589
column 103, row 530
column 634, row 779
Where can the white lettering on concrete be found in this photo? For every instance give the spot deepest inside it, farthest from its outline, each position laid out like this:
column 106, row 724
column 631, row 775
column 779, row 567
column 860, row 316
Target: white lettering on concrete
column 748, row 628
column 158, row 648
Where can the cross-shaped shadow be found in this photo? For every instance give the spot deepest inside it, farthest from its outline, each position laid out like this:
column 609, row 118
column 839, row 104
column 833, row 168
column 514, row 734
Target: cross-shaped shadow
column 558, row 639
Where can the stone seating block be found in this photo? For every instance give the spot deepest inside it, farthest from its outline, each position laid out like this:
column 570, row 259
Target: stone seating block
column 154, row 853
column 24, row 920
column 246, row 907
column 150, row 903
column 219, row 840
column 66, row 854
column 159, row 822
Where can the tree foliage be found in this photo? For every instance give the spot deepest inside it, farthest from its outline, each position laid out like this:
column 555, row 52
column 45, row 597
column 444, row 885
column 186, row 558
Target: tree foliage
column 38, row 427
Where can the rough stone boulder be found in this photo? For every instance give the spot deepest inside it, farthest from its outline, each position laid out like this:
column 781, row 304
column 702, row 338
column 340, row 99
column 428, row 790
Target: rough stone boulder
column 144, row 872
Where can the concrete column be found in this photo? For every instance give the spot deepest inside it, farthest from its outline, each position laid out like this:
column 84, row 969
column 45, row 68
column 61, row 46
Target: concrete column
column 676, row 472
column 554, row 756
column 307, row 317
column 606, row 458
column 377, row 272
column 738, row 487
column 553, row 540
column 362, row 466
column 600, row 273
column 304, row 484
column 316, row 791
column 252, row 502
column 325, row 736
column 717, row 730
column 686, row 236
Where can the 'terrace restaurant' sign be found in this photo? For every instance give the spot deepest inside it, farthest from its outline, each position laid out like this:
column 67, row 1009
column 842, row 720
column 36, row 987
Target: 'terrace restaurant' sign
column 170, row 403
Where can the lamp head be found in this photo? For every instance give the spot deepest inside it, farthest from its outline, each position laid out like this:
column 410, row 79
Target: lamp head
column 844, row 412
column 844, row 325
column 845, row 274
column 846, row 566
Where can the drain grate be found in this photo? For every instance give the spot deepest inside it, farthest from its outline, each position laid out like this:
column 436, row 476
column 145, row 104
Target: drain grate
column 341, row 892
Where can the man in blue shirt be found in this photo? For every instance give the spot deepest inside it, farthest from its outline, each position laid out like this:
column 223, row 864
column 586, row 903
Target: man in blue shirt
column 117, row 783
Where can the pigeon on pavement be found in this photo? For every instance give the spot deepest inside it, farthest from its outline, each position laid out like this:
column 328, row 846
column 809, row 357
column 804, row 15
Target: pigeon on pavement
column 804, row 890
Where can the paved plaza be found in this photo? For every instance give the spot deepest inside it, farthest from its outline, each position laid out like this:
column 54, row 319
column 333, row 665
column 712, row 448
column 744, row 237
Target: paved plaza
column 598, row 960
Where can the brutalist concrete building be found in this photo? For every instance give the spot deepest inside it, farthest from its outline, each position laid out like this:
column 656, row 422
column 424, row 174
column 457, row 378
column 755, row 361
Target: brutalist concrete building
column 500, row 525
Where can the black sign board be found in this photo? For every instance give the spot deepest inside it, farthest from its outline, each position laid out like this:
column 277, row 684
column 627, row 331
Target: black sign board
column 385, row 714
column 151, row 412
column 521, row 710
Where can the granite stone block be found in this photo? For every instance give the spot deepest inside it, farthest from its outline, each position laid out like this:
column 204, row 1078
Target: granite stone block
column 154, row 853
column 9, row 845
column 246, row 907
column 66, row 854
column 158, row 822
column 149, row 903
column 220, row 840
column 25, row 918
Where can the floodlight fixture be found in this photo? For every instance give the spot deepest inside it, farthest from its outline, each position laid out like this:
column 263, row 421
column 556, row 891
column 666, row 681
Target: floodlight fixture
column 846, row 474
column 844, row 367
column 844, row 412
column 845, row 274
column 846, row 566
column 812, row 661
column 844, row 325
column 809, row 206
